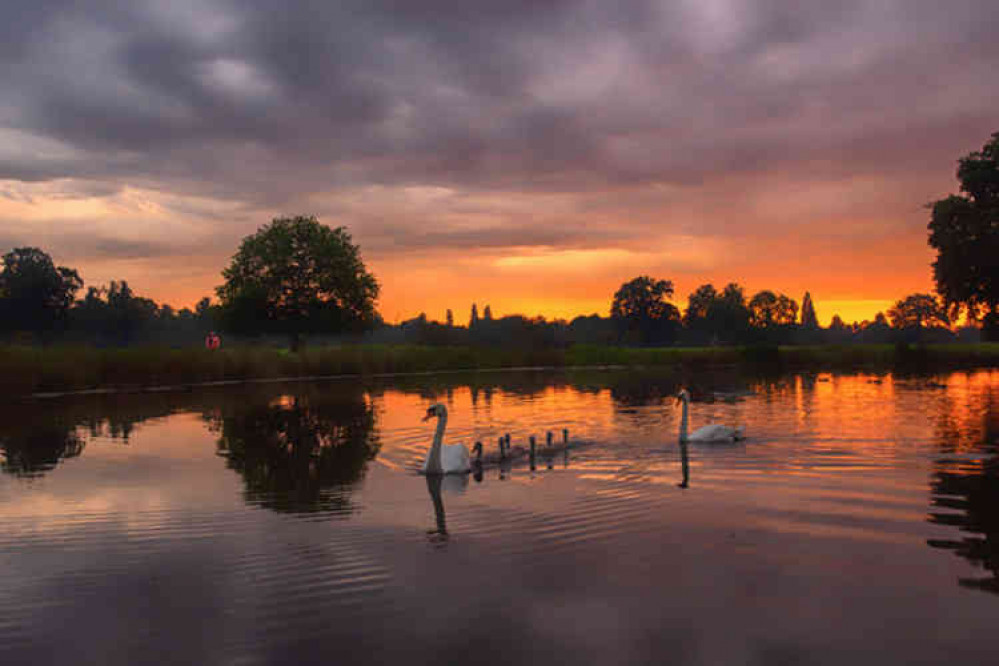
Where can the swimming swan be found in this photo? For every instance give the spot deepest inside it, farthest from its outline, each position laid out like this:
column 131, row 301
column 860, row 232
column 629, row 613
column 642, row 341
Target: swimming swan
column 708, row 433
column 444, row 458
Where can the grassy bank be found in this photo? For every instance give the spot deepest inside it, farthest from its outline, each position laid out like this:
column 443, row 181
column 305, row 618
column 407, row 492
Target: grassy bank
column 26, row 370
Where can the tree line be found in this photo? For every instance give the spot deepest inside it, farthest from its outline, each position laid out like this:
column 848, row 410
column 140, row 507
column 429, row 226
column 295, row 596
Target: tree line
column 296, row 277
column 642, row 315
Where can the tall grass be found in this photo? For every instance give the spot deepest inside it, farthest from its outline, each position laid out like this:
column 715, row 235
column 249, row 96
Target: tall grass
column 25, row 370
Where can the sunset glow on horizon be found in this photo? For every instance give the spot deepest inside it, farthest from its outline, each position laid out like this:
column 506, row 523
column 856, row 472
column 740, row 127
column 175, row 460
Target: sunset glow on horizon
column 532, row 159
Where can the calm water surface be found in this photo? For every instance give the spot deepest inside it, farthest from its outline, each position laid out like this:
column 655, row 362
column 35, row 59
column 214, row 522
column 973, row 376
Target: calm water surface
column 285, row 524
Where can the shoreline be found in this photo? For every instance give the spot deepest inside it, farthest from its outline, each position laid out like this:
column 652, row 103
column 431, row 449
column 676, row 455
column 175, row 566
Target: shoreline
column 46, row 373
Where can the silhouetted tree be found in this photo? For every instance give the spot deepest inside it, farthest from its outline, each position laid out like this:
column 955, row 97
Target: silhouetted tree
column 699, row 304
column 714, row 316
column 766, row 310
column 964, row 230
column 763, row 309
column 808, row 318
column 773, row 316
column 474, row 318
column 127, row 312
column 487, row 314
column 642, row 312
column 787, row 311
column 35, row 294
column 449, row 318
column 917, row 310
column 203, row 308
column 730, row 314
column 592, row 329
column 877, row 331
column 298, row 276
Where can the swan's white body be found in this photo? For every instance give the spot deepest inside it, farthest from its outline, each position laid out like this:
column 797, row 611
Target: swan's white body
column 709, row 433
column 444, row 458
column 715, row 433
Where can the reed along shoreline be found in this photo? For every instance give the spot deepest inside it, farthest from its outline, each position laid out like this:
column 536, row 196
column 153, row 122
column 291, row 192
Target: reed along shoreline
column 25, row 370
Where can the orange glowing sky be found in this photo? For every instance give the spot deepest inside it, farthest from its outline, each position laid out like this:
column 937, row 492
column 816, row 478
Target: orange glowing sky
column 532, row 159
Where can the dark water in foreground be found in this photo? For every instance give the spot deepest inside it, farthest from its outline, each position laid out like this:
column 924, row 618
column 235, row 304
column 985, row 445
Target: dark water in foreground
column 285, row 525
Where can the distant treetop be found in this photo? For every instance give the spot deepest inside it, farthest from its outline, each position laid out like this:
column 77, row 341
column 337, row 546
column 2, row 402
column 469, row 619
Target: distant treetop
column 35, row 294
column 808, row 318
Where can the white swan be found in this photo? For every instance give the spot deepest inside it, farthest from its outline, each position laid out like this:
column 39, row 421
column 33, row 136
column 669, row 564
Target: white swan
column 444, row 458
column 708, row 433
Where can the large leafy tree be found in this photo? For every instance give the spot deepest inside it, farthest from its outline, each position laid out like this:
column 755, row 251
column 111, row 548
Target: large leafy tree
column 642, row 311
column 699, row 304
column 297, row 276
column 35, row 294
column 964, row 230
column 917, row 311
column 718, row 316
column 767, row 309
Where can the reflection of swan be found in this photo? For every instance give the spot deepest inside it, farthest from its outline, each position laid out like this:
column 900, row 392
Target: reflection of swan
column 444, row 458
column 551, row 447
column 708, row 433
column 434, row 488
column 435, row 484
column 684, row 465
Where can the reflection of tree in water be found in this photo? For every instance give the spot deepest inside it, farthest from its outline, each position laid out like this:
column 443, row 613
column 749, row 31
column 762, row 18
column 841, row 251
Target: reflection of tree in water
column 638, row 390
column 300, row 452
column 30, row 448
column 968, row 490
column 37, row 436
column 657, row 388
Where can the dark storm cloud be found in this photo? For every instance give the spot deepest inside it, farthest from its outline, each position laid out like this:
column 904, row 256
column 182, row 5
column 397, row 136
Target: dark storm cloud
column 267, row 103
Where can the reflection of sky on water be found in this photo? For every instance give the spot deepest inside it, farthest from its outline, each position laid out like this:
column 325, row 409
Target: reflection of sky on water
column 808, row 542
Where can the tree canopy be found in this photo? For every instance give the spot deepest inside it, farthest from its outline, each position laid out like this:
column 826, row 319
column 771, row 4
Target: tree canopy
column 964, row 230
column 917, row 311
column 35, row 294
column 767, row 309
column 718, row 316
column 642, row 311
column 295, row 276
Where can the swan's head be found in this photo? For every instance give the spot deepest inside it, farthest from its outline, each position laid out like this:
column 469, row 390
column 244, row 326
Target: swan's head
column 435, row 410
column 682, row 396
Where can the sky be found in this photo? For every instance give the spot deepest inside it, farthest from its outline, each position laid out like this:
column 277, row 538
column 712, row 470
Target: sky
column 530, row 155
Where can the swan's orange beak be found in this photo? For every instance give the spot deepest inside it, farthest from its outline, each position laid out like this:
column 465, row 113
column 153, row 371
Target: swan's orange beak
column 429, row 415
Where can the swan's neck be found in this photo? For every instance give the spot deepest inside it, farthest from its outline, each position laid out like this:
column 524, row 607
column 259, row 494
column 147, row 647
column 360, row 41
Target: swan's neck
column 434, row 456
column 683, row 423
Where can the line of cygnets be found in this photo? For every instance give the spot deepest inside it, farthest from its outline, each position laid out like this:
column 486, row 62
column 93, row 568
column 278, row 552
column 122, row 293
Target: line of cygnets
column 454, row 458
column 506, row 452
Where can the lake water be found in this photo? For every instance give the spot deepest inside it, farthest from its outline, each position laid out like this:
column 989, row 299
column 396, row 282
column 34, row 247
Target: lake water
column 285, row 524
